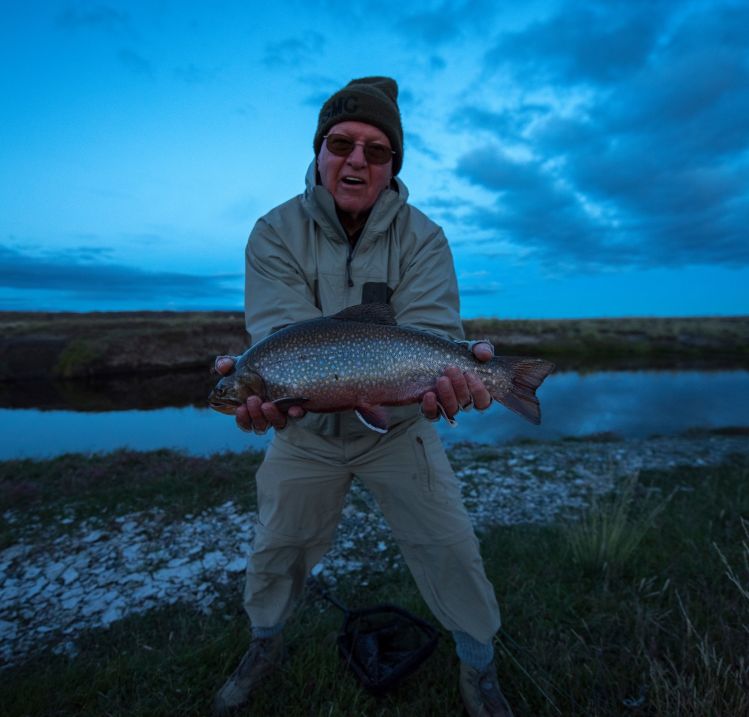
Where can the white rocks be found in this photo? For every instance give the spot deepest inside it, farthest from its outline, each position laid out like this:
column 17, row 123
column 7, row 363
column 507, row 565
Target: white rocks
column 238, row 565
column 114, row 611
column 70, row 576
column 70, row 601
column 36, row 587
column 213, row 560
column 54, row 570
column 93, row 536
column 8, row 630
column 92, row 577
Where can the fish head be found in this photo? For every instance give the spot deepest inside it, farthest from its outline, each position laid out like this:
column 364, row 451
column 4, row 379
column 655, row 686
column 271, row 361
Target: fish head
column 235, row 388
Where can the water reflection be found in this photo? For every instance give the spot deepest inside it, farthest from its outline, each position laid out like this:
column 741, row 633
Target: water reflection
column 116, row 393
column 191, row 388
column 629, row 403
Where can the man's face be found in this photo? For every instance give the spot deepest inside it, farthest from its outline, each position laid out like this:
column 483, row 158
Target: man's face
column 354, row 183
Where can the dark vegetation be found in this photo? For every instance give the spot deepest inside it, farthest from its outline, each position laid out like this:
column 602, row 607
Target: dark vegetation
column 67, row 345
column 49, row 346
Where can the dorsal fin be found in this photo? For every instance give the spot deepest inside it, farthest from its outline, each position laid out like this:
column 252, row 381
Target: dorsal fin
column 368, row 314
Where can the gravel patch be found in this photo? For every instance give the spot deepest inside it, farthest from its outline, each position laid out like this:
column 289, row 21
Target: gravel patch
column 54, row 587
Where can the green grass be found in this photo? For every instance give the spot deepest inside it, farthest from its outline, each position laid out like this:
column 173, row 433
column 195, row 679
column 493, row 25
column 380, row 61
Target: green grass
column 607, row 535
column 664, row 632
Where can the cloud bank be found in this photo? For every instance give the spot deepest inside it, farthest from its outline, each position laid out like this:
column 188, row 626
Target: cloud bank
column 626, row 141
column 80, row 274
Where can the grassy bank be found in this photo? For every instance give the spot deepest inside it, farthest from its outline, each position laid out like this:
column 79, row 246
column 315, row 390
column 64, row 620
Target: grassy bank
column 68, row 345
column 639, row 606
column 78, row 487
column 650, row 338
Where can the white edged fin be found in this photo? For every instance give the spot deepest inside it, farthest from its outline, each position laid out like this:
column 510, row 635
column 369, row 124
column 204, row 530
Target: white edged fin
column 373, row 417
column 451, row 421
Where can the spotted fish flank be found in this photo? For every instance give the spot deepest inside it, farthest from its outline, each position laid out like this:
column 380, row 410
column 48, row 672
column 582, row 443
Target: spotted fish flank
column 361, row 360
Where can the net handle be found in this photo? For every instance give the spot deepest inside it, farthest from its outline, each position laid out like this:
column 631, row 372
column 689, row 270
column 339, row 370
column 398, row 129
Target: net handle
column 317, row 585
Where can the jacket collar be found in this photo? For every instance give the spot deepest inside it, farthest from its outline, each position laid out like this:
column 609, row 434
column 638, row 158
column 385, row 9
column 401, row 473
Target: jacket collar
column 319, row 204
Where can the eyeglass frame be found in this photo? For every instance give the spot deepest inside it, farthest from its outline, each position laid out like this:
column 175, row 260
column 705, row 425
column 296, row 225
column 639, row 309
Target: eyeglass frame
column 364, row 146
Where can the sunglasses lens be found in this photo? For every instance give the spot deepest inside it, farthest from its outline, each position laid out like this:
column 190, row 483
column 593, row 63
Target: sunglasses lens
column 343, row 146
column 340, row 145
column 377, row 153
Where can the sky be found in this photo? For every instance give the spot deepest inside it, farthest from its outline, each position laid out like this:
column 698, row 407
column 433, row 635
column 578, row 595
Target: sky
column 585, row 159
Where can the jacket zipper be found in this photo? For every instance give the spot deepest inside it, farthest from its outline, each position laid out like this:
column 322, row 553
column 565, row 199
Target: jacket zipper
column 348, row 264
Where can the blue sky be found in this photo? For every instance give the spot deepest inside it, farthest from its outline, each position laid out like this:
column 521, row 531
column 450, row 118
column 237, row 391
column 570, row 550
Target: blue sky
column 584, row 159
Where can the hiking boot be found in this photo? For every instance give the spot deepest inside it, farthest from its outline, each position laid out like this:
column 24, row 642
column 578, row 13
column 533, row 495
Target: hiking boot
column 480, row 692
column 263, row 657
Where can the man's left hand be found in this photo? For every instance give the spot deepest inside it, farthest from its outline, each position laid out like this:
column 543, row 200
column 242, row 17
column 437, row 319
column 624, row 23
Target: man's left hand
column 457, row 390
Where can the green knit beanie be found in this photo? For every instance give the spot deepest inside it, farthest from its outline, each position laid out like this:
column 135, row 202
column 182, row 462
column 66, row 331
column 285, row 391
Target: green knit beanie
column 373, row 100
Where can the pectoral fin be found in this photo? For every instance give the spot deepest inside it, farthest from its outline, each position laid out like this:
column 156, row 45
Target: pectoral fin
column 285, row 403
column 375, row 418
column 451, row 421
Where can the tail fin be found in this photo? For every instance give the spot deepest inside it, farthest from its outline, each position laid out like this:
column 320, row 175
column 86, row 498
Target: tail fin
column 525, row 376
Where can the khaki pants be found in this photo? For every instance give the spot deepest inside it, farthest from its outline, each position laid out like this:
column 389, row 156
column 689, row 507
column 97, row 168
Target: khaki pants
column 302, row 485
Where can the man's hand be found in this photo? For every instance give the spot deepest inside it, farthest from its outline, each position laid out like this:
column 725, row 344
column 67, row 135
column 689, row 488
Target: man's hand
column 256, row 416
column 457, row 390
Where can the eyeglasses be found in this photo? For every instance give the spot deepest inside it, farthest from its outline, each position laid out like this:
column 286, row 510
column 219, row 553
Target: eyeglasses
column 343, row 146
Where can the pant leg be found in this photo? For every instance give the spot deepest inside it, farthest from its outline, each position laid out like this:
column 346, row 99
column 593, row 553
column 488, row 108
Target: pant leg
column 414, row 484
column 300, row 495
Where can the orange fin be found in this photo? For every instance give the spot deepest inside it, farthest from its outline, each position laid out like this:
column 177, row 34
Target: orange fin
column 526, row 375
column 375, row 418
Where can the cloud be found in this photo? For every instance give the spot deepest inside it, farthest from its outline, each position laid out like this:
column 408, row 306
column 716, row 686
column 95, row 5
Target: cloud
column 446, row 22
column 508, row 123
column 194, row 75
column 415, row 141
column 293, row 52
column 317, row 99
column 437, row 63
column 649, row 168
column 535, row 210
column 481, row 290
column 587, row 42
column 320, row 87
column 74, row 273
column 134, row 62
column 99, row 17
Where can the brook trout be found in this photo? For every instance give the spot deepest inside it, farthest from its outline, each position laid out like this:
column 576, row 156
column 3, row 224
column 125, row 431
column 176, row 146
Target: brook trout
column 360, row 359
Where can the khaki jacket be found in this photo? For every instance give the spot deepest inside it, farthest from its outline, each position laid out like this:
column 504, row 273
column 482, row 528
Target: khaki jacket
column 300, row 265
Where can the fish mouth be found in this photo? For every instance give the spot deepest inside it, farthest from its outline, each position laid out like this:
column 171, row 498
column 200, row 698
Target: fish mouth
column 224, row 405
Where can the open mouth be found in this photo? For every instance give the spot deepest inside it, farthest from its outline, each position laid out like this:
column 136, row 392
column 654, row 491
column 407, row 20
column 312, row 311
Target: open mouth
column 353, row 181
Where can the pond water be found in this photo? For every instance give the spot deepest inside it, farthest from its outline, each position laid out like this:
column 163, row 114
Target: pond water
column 629, row 403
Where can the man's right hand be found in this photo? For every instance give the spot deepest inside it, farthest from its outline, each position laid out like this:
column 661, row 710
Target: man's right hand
column 254, row 415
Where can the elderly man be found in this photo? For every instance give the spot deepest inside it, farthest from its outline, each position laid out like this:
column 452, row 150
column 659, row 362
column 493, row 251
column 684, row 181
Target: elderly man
column 352, row 238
